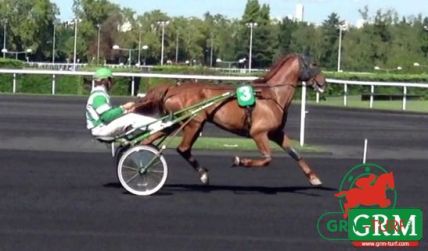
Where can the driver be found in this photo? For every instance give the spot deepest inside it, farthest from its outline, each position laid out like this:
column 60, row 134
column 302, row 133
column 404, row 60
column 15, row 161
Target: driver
column 104, row 120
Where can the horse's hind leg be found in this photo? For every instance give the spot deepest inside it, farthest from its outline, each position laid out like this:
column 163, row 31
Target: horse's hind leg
column 153, row 138
column 282, row 140
column 262, row 143
column 190, row 134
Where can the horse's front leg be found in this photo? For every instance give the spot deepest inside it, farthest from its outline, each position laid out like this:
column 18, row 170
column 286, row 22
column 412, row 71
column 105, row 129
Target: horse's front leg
column 282, row 140
column 190, row 134
column 262, row 143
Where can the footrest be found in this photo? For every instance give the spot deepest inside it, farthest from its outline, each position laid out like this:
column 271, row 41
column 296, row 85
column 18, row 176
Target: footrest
column 106, row 140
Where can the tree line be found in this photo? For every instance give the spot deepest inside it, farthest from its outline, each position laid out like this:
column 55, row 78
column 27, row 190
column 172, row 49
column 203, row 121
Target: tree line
column 386, row 40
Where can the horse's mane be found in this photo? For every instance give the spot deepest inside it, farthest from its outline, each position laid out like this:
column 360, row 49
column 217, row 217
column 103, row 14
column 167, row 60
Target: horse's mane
column 275, row 68
column 150, row 103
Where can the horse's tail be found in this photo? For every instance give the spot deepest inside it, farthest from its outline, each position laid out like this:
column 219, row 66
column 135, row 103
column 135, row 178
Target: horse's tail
column 340, row 194
column 153, row 100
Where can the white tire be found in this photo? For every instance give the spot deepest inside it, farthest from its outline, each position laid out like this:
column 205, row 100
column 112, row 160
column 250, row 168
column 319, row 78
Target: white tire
column 142, row 170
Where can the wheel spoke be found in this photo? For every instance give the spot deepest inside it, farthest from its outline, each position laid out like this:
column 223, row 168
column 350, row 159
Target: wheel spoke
column 157, row 163
column 133, row 177
column 155, row 171
column 152, row 165
column 132, row 168
column 150, row 162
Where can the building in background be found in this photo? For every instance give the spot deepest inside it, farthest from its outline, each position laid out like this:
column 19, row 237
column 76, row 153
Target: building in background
column 298, row 16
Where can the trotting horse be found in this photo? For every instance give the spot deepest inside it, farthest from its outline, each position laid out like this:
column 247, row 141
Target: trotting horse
column 264, row 122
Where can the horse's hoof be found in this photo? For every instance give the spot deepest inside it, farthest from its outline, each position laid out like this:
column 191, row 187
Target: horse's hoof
column 204, row 178
column 315, row 181
column 236, row 161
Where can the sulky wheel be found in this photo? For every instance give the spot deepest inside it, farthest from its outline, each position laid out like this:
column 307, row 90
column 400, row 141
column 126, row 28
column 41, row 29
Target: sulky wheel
column 142, row 170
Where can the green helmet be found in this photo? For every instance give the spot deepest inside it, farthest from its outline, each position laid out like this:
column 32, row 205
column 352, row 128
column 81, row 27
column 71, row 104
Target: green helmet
column 103, row 73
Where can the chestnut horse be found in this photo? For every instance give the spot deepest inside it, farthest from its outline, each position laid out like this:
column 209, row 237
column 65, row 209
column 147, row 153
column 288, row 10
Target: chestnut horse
column 262, row 123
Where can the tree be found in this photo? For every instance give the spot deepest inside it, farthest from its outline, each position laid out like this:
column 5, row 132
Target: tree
column 264, row 39
column 330, row 36
column 223, row 34
column 251, row 12
column 90, row 14
column 286, row 29
column 151, row 34
column 307, row 40
column 29, row 25
column 356, row 48
column 263, row 48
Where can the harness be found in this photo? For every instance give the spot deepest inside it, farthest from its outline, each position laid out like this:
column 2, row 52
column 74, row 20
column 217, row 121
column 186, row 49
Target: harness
column 259, row 86
column 306, row 73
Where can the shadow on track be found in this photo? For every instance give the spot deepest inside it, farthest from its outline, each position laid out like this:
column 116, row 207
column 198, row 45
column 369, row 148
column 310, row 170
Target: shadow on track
column 170, row 189
column 245, row 189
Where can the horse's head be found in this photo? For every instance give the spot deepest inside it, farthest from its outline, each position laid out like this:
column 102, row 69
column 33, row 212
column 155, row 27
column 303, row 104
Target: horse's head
column 312, row 75
column 386, row 181
column 389, row 180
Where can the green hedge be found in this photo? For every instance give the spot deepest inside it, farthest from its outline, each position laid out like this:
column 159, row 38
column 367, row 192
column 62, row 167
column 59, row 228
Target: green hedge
column 335, row 89
column 78, row 85
column 382, row 77
column 11, row 63
column 184, row 70
column 6, row 80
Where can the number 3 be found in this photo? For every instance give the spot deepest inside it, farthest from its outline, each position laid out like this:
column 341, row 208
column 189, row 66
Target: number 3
column 245, row 93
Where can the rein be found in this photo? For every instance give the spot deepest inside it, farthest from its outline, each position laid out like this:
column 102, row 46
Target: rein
column 274, row 99
column 259, row 85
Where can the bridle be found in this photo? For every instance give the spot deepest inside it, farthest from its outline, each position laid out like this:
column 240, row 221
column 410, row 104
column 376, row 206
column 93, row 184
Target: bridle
column 306, row 72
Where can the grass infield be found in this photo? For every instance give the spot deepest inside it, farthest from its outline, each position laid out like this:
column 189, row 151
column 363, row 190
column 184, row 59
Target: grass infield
column 394, row 105
column 237, row 143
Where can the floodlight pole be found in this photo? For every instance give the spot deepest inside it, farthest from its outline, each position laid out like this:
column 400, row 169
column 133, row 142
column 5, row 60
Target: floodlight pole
column 251, row 26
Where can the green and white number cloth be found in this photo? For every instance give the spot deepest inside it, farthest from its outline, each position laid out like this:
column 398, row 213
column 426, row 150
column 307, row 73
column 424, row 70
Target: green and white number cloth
column 245, row 95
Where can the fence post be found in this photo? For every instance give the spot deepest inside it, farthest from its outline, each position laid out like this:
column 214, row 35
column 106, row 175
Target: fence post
column 317, row 95
column 93, row 83
column 345, row 94
column 303, row 115
column 53, row 84
column 365, row 151
column 404, row 97
column 371, row 96
column 14, row 83
column 133, row 86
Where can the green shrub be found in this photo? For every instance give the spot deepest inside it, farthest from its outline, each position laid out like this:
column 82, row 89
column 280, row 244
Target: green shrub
column 11, row 63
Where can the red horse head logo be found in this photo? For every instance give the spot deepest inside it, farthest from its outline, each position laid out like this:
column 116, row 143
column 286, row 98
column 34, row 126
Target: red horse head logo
column 369, row 191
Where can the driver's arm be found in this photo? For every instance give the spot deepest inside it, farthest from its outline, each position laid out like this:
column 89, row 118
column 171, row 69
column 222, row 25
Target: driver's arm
column 106, row 111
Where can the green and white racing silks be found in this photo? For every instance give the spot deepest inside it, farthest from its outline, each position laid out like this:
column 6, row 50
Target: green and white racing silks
column 99, row 110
